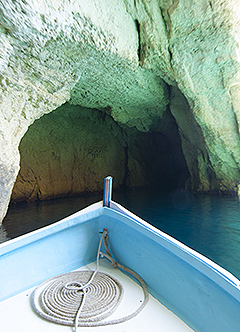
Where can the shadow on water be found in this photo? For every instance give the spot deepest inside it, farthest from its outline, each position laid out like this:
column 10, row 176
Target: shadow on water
column 23, row 218
column 208, row 224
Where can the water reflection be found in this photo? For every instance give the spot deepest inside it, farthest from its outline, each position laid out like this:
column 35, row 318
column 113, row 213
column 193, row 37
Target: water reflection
column 24, row 218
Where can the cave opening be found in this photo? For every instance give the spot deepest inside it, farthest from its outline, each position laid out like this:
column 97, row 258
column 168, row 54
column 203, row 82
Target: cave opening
column 66, row 154
column 69, row 151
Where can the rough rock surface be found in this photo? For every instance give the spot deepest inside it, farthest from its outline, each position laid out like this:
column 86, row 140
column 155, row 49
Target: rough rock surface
column 67, row 152
column 47, row 47
column 204, row 41
column 115, row 56
column 70, row 151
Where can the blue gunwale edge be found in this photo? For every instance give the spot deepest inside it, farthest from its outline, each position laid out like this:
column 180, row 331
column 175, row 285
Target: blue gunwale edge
column 197, row 257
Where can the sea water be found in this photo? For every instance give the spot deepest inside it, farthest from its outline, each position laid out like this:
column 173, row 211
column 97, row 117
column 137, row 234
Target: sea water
column 208, row 224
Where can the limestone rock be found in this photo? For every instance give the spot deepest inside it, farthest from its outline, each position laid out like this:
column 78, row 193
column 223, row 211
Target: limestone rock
column 204, row 42
column 202, row 177
column 47, row 47
column 115, row 56
column 70, row 151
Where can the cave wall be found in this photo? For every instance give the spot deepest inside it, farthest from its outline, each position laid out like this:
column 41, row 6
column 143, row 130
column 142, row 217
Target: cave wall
column 46, row 48
column 204, row 41
column 69, row 152
column 121, row 57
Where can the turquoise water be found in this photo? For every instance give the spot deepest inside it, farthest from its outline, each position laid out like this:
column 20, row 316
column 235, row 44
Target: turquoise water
column 208, row 224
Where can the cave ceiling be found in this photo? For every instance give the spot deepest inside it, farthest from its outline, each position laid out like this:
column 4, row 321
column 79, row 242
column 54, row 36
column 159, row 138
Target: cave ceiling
column 134, row 61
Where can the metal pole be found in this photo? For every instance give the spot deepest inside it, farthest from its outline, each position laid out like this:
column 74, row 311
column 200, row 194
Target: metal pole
column 107, row 193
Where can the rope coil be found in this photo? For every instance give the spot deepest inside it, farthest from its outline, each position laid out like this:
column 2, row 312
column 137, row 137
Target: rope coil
column 84, row 298
column 60, row 305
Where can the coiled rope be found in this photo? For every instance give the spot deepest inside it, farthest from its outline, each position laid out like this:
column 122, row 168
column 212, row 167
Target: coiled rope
column 84, row 298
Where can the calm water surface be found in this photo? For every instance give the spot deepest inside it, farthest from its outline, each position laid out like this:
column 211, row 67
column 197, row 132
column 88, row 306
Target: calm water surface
column 208, row 224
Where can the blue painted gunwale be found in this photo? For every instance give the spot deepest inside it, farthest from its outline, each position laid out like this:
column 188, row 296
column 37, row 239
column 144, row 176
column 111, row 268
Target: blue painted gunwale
column 200, row 292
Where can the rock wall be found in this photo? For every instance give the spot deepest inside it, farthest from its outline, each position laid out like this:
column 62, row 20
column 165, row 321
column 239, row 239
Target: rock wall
column 71, row 150
column 204, row 42
column 46, row 48
column 120, row 57
column 68, row 152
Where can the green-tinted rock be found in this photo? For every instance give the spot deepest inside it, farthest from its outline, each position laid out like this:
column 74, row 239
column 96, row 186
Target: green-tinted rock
column 71, row 150
column 115, row 57
column 68, row 152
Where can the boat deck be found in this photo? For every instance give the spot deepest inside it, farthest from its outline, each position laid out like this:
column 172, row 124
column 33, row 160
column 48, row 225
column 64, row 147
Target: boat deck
column 17, row 314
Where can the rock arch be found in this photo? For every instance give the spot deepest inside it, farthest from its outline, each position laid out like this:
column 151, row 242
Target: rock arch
column 88, row 54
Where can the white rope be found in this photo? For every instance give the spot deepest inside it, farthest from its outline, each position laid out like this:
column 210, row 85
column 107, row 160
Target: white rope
column 84, row 298
column 83, row 287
